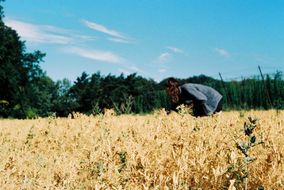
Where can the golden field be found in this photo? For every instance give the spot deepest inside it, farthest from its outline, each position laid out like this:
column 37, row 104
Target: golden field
column 155, row 151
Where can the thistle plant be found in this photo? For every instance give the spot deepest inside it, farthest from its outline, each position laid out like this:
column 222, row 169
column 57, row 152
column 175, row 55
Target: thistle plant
column 244, row 146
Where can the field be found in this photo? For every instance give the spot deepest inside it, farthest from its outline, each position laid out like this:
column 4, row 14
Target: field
column 155, row 151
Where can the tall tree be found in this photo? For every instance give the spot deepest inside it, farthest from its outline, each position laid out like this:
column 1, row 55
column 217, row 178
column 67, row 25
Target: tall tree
column 18, row 69
column 63, row 103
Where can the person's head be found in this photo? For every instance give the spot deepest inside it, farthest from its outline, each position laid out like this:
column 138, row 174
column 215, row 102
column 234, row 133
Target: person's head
column 172, row 89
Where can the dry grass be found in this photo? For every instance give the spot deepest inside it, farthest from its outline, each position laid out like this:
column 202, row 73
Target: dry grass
column 157, row 151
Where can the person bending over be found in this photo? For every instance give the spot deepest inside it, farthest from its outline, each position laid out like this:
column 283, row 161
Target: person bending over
column 205, row 99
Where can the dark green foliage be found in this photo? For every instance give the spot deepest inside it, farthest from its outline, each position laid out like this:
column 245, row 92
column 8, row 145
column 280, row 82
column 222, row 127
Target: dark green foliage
column 255, row 93
column 63, row 104
column 125, row 94
column 25, row 89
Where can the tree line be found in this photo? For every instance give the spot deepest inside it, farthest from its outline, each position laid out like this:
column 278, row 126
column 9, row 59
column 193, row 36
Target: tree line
column 26, row 91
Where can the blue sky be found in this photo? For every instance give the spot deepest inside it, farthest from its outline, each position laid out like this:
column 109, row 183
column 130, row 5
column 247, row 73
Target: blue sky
column 154, row 38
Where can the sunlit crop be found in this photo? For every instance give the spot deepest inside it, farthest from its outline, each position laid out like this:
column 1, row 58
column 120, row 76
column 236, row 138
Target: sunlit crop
column 155, row 151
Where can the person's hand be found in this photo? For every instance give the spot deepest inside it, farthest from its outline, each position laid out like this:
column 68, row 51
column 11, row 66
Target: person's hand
column 210, row 113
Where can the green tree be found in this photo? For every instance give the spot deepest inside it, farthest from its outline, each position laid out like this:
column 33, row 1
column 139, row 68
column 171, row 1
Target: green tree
column 44, row 91
column 18, row 69
column 78, row 92
column 64, row 103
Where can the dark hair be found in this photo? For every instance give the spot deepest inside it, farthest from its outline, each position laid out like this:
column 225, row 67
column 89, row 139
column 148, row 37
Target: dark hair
column 173, row 90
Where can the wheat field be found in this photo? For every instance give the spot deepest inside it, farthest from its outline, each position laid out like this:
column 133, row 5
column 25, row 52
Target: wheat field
column 155, row 151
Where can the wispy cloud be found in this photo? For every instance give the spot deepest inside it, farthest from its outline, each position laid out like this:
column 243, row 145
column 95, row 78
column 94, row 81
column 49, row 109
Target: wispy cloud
column 45, row 33
column 175, row 49
column 119, row 40
column 135, row 69
column 163, row 70
column 130, row 68
column 97, row 55
column 222, row 52
column 167, row 55
column 115, row 35
column 163, row 57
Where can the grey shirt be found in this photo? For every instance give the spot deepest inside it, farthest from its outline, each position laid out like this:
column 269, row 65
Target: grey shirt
column 203, row 97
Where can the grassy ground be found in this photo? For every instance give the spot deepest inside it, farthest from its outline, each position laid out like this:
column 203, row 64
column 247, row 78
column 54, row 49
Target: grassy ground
column 156, row 151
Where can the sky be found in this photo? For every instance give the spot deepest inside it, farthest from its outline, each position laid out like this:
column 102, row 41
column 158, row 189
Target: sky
column 154, row 38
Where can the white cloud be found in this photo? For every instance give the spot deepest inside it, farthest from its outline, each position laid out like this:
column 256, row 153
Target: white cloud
column 127, row 70
column 116, row 36
column 135, row 69
column 83, row 37
column 222, row 52
column 164, row 57
column 131, row 68
column 45, row 33
column 168, row 55
column 163, row 70
column 119, row 40
column 98, row 55
column 175, row 49
column 36, row 34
